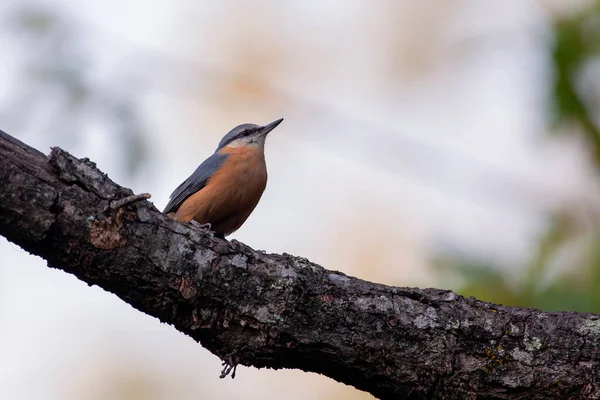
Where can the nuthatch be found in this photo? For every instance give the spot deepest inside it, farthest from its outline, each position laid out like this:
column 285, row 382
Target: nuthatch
column 226, row 187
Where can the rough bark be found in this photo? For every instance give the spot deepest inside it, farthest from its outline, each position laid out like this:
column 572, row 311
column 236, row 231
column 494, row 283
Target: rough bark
column 280, row 311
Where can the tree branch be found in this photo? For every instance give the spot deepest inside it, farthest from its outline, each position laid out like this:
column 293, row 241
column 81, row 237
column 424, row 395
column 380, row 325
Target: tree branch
column 280, row 311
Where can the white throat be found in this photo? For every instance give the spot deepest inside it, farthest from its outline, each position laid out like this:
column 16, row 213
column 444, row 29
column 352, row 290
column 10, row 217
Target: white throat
column 257, row 141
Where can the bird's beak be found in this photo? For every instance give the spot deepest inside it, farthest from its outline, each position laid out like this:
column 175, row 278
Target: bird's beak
column 268, row 128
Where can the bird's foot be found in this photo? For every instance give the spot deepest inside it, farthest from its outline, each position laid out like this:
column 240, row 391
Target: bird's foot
column 230, row 363
column 199, row 225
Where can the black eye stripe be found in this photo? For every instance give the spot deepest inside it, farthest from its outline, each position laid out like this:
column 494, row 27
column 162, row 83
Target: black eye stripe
column 239, row 132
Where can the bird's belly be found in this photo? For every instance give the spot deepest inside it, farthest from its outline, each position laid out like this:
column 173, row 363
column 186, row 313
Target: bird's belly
column 233, row 206
column 229, row 197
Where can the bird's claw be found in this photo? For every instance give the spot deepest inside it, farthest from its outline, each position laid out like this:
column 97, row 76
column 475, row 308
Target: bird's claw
column 230, row 364
column 199, row 225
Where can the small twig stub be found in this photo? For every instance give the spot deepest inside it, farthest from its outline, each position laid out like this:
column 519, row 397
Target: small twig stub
column 115, row 205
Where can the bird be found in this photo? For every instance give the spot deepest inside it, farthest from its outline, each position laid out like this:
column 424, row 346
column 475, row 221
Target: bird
column 224, row 190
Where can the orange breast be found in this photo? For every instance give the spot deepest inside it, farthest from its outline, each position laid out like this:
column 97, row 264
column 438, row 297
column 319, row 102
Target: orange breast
column 231, row 194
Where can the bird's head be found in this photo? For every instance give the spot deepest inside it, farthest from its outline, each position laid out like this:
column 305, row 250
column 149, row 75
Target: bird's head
column 248, row 135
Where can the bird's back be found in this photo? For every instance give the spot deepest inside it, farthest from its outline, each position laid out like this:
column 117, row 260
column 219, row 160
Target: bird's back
column 230, row 194
column 195, row 182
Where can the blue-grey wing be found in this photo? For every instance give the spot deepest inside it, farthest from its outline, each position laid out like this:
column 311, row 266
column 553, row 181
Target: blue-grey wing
column 195, row 182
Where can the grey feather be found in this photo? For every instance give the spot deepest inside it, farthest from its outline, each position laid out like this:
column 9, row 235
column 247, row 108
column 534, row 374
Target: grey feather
column 195, row 182
column 236, row 132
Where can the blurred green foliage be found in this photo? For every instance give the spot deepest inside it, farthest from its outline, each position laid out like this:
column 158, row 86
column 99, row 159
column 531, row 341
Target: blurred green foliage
column 574, row 287
column 564, row 270
column 577, row 46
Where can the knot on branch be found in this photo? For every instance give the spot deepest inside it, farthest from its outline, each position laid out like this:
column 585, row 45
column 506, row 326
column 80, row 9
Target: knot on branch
column 106, row 233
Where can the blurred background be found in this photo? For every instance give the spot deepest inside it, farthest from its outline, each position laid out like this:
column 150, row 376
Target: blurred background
column 448, row 144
